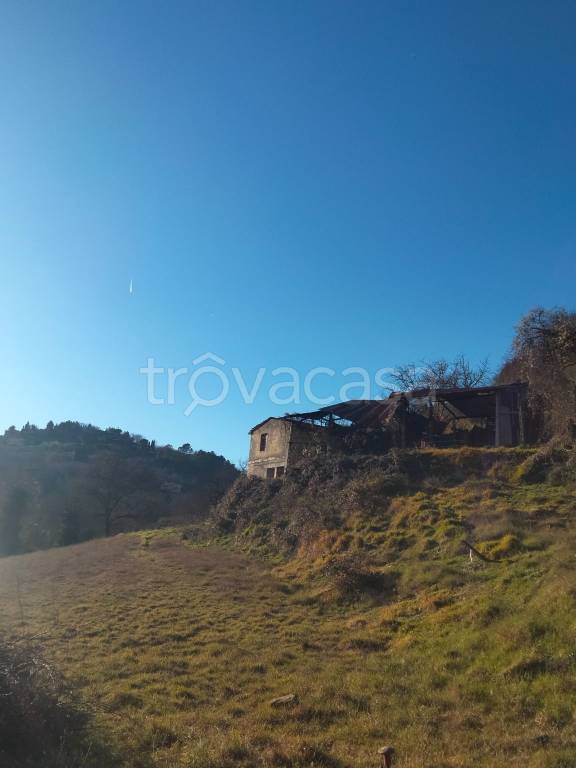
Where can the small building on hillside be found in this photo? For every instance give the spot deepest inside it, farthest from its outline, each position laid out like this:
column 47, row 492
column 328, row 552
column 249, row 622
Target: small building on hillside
column 482, row 416
column 277, row 443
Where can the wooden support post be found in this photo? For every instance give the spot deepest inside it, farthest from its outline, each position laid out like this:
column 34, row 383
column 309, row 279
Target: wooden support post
column 402, row 420
column 521, row 418
column 498, row 416
column 430, row 423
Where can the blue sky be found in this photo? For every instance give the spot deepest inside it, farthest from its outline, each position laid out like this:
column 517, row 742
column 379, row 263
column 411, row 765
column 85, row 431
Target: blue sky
column 286, row 183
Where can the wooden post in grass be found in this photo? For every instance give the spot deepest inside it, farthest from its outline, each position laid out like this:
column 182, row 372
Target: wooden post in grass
column 386, row 755
column 472, row 549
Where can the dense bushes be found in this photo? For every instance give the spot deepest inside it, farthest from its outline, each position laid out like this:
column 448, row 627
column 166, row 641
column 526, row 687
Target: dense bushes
column 313, row 497
column 39, row 728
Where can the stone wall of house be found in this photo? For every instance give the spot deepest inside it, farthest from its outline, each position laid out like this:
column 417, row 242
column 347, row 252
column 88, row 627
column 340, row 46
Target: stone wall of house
column 280, row 443
column 269, row 448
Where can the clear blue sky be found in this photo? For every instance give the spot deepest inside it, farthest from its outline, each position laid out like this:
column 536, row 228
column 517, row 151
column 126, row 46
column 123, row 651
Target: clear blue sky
column 286, row 183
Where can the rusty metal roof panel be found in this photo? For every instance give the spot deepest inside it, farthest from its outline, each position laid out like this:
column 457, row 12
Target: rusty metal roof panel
column 473, row 402
column 359, row 412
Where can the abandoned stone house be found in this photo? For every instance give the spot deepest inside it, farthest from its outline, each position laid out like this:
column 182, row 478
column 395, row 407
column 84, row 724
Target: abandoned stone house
column 482, row 416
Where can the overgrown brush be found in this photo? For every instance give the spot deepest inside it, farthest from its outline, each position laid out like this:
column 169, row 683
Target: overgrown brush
column 555, row 462
column 325, row 493
column 39, row 726
column 352, row 578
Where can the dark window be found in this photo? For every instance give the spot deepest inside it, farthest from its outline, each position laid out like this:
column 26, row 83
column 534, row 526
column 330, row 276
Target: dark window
column 279, row 471
column 263, row 441
column 270, row 472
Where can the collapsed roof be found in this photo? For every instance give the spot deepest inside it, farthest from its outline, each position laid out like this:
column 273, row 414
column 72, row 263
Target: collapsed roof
column 461, row 403
column 358, row 413
column 472, row 402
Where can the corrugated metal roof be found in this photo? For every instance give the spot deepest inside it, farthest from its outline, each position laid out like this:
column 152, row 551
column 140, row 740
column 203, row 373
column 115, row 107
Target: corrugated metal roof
column 358, row 412
column 473, row 402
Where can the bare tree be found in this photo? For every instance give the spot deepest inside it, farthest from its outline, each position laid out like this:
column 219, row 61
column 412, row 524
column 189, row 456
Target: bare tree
column 434, row 374
column 548, row 336
column 544, row 355
column 118, row 485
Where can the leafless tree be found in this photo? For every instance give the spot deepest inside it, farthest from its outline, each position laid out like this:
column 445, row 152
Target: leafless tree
column 118, row 486
column 441, row 373
column 544, row 355
column 548, row 336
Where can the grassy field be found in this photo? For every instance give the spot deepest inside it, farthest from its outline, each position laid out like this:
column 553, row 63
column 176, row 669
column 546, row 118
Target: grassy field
column 179, row 648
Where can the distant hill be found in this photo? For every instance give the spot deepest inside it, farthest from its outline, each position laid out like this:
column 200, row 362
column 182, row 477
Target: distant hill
column 70, row 482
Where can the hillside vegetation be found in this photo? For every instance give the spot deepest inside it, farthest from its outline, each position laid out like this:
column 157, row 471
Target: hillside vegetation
column 40, row 721
column 70, row 482
column 349, row 587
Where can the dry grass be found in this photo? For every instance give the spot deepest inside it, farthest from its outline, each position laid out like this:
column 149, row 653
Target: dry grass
column 179, row 649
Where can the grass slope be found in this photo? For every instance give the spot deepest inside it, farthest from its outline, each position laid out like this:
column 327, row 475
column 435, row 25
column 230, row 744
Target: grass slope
column 179, row 648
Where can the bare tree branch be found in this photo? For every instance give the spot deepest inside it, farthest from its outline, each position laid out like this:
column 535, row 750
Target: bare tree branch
column 441, row 373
